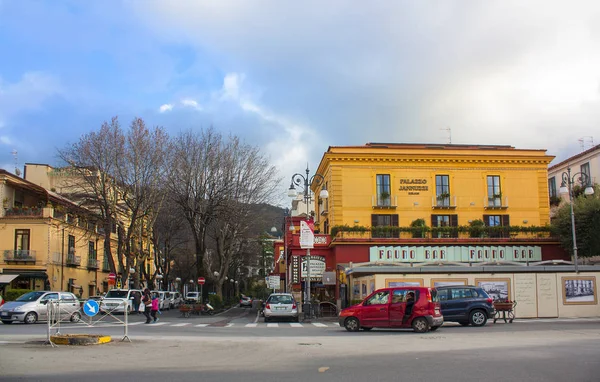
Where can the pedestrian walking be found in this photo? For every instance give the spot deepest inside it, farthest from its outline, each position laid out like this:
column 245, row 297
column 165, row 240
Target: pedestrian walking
column 147, row 301
column 155, row 307
column 137, row 300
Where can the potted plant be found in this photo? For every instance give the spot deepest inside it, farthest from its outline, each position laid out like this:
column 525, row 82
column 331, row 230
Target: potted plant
column 384, row 195
column 443, row 196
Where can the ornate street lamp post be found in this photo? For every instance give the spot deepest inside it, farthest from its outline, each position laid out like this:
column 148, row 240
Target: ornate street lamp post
column 305, row 183
column 568, row 181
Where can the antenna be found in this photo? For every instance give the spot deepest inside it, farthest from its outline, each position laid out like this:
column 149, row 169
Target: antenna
column 449, row 130
column 15, row 155
column 582, row 142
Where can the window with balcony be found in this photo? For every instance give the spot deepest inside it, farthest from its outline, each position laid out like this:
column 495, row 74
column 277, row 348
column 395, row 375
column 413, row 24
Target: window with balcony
column 585, row 169
column 444, row 225
column 552, row 187
column 494, row 193
column 92, row 261
column 442, row 190
column 496, row 224
column 383, row 190
column 22, row 240
column 382, row 226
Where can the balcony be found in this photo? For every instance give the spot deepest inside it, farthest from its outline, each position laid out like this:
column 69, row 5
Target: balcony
column 444, row 202
column 495, row 203
column 73, row 261
column 24, row 212
column 19, row 255
column 384, row 201
column 460, row 233
column 105, row 265
column 93, row 263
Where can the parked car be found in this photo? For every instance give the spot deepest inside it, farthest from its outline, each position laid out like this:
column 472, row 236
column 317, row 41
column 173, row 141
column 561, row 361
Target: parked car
column 280, row 305
column 33, row 307
column 192, row 297
column 115, row 301
column 245, row 302
column 163, row 302
column 177, row 300
column 466, row 305
column 403, row 307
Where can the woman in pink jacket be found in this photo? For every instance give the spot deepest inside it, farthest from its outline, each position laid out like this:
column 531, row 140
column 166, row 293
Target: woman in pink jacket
column 155, row 307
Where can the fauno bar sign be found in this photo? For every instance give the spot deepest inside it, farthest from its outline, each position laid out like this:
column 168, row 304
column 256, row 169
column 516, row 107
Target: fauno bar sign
column 413, row 186
column 460, row 254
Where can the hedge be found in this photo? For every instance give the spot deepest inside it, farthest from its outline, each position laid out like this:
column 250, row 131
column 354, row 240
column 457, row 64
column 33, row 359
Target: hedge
column 13, row 294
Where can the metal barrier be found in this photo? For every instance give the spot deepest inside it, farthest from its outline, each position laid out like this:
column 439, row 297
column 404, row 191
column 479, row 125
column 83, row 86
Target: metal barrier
column 60, row 313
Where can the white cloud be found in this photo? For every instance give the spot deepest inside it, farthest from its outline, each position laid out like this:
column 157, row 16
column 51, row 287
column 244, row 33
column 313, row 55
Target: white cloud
column 166, row 107
column 5, row 140
column 188, row 102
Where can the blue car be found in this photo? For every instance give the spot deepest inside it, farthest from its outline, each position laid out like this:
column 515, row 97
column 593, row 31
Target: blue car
column 467, row 305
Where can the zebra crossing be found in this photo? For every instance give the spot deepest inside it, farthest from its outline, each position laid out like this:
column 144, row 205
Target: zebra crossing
column 269, row 325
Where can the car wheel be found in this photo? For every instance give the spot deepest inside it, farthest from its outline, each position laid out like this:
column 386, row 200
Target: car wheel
column 30, row 318
column 75, row 317
column 351, row 324
column 434, row 328
column 478, row 318
column 6, row 322
column 420, row 325
column 366, row 328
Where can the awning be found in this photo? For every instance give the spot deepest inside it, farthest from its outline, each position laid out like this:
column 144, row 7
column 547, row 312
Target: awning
column 5, row 279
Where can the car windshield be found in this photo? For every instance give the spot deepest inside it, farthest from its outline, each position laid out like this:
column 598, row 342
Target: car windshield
column 281, row 300
column 192, row 294
column 31, row 296
column 116, row 294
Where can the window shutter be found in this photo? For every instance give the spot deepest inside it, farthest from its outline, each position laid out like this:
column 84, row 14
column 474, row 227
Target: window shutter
column 505, row 220
column 486, row 220
column 373, row 220
column 395, row 220
column 453, row 220
column 434, row 220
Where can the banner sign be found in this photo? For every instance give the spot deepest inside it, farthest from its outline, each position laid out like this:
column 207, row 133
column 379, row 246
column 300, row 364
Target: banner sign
column 460, row 254
column 307, row 235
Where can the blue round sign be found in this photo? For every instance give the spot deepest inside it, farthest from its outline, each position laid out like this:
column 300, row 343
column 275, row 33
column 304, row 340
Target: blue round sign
column 91, row 308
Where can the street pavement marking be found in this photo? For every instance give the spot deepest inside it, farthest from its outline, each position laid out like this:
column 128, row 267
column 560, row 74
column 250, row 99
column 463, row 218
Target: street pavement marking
column 336, row 324
column 253, row 325
column 272, row 325
column 201, row 325
column 296, row 325
column 323, row 369
column 134, row 323
column 229, row 325
column 319, row 325
column 182, row 324
column 159, row 323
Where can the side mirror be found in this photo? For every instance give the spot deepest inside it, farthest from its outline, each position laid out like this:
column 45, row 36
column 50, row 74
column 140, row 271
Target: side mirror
column 43, row 302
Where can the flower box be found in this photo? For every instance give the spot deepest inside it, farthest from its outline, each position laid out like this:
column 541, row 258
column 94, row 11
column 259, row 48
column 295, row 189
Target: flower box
column 503, row 306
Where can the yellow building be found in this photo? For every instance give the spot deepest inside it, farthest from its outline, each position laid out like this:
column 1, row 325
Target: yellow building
column 385, row 184
column 49, row 242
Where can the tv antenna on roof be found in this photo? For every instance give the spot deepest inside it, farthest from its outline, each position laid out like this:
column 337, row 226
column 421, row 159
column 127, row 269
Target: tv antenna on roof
column 588, row 139
column 449, row 130
column 16, row 158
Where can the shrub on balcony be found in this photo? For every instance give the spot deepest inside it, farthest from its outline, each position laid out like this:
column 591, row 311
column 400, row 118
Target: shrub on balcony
column 476, row 228
column 419, row 228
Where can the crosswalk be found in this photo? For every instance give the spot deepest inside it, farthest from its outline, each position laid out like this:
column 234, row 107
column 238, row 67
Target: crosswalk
column 243, row 325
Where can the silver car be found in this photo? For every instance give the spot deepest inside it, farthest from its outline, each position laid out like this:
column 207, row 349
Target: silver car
column 33, row 306
column 281, row 305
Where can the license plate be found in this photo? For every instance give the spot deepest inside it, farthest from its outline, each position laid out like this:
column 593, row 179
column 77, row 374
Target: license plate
column 280, row 308
column 5, row 315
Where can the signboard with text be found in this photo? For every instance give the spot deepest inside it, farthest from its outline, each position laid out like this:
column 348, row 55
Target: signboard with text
column 458, row 254
column 307, row 235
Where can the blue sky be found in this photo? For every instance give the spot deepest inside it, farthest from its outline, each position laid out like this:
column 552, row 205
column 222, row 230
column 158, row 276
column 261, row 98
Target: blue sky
column 297, row 77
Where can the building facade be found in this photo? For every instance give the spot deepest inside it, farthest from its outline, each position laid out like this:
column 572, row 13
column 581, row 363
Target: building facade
column 586, row 162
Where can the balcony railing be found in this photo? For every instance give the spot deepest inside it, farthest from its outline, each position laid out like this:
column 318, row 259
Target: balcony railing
column 73, row 260
column 384, row 201
column 443, row 202
column 24, row 211
column 93, row 263
column 495, row 202
column 440, row 233
column 19, row 255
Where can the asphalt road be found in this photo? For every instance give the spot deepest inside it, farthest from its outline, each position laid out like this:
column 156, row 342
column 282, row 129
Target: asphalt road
column 538, row 350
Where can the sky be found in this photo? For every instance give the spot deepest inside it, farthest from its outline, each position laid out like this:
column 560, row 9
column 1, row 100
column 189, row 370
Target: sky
column 297, row 77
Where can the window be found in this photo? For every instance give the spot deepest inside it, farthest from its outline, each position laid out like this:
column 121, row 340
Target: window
column 442, row 190
column 380, row 226
column 552, row 187
column 497, row 221
column 493, row 221
column 91, row 250
column 379, row 298
column 460, row 293
column 585, row 169
column 21, row 240
column 439, row 221
column 71, row 242
column 493, row 190
column 383, row 190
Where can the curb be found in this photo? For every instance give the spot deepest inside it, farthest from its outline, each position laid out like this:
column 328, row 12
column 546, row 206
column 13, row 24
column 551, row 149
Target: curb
column 80, row 339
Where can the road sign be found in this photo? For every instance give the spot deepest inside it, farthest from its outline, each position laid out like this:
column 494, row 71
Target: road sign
column 91, row 308
column 274, row 282
column 112, row 276
column 201, row 280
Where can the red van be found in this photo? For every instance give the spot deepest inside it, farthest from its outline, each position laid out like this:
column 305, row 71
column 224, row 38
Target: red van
column 401, row 307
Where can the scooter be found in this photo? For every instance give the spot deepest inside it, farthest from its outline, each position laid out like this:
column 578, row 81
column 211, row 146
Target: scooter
column 208, row 309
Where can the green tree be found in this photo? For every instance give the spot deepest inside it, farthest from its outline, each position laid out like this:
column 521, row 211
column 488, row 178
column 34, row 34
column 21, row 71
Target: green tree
column 587, row 224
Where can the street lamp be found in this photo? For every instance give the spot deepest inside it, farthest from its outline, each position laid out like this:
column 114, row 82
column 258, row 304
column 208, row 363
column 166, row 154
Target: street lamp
column 566, row 186
column 306, row 183
column 159, row 277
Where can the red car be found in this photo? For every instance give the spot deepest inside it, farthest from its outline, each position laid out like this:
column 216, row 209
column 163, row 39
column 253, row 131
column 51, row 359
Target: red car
column 403, row 307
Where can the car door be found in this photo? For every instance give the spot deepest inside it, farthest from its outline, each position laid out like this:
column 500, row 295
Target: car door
column 42, row 305
column 375, row 310
column 68, row 305
column 456, row 305
column 397, row 307
column 443, row 297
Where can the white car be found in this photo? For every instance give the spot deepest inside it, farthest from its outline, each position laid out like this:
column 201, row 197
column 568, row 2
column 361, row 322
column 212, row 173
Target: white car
column 116, row 300
column 192, row 297
column 174, row 299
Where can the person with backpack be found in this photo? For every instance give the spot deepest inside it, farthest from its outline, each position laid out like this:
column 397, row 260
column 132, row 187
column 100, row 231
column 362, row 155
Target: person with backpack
column 147, row 301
